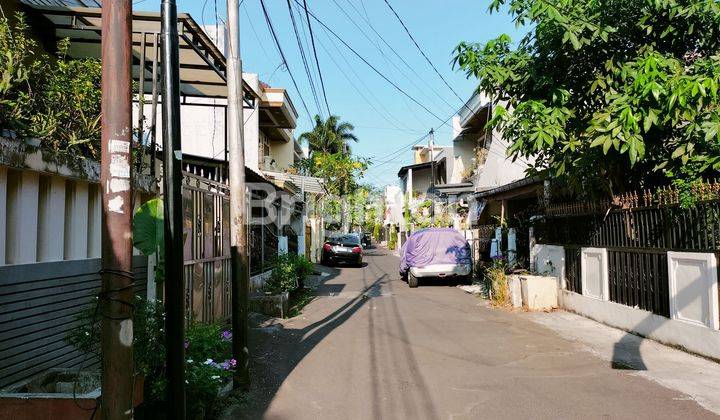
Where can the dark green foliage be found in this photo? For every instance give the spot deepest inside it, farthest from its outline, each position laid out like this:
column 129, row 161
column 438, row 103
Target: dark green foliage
column 52, row 98
column 288, row 273
column 607, row 95
column 207, row 354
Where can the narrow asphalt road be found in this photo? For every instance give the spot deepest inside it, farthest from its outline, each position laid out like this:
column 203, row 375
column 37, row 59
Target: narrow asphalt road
column 368, row 347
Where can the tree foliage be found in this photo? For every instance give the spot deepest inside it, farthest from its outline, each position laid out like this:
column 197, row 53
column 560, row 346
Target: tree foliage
column 605, row 94
column 52, row 98
column 340, row 172
column 330, row 136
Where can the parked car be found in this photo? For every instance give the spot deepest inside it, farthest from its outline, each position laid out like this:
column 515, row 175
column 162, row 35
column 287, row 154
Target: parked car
column 342, row 248
column 365, row 239
column 435, row 252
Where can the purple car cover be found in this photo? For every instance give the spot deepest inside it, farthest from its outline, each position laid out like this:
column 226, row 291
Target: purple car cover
column 434, row 246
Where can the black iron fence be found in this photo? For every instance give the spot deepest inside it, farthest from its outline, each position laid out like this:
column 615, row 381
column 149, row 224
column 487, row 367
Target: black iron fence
column 639, row 278
column 637, row 230
column 572, row 269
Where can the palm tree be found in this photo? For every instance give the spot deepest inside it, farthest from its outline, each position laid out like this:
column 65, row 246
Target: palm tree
column 330, row 136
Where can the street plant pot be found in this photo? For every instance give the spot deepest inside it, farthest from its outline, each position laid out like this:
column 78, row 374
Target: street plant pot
column 271, row 305
column 50, row 396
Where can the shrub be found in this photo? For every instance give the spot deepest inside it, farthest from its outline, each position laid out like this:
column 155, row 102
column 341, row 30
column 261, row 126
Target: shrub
column 376, row 232
column 392, row 242
column 207, row 354
column 288, row 273
column 54, row 99
column 496, row 279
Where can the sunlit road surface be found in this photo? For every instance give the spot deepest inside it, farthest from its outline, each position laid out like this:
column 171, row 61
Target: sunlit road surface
column 369, row 347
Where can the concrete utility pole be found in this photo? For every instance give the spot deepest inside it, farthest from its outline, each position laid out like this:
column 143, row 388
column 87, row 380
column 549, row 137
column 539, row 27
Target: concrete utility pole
column 431, row 146
column 238, row 218
column 172, row 190
column 116, row 297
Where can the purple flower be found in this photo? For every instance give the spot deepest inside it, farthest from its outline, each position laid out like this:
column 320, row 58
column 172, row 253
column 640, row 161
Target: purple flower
column 186, row 344
column 228, row 364
column 226, row 335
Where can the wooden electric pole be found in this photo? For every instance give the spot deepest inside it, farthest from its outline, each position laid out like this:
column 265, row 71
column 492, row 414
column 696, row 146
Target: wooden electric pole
column 238, row 218
column 116, row 297
column 172, row 191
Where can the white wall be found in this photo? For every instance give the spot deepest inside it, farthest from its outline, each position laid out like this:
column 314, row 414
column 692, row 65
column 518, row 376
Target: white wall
column 202, row 122
column 693, row 278
column 393, row 205
column 283, row 153
column 47, row 217
column 498, row 169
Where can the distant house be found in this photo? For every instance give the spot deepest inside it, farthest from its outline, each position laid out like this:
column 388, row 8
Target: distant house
column 417, row 178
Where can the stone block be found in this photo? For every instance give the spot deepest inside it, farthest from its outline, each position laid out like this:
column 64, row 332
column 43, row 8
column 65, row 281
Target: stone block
column 271, row 305
column 539, row 292
column 515, row 287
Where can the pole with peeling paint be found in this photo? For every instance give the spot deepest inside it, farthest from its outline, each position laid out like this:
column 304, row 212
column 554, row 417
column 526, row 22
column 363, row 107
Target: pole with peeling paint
column 116, row 295
column 172, row 189
column 238, row 218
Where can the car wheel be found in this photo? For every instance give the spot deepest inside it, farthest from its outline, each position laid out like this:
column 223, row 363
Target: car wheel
column 412, row 280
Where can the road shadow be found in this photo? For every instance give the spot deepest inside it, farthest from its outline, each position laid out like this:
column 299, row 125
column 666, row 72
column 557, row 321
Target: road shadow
column 276, row 350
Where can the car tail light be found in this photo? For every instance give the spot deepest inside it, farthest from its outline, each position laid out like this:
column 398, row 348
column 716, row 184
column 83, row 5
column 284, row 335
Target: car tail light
column 357, row 250
column 327, row 247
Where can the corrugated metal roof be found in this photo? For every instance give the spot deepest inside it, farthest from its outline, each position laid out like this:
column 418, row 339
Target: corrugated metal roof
column 76, row 3
column 309, row 184
column 202, row 64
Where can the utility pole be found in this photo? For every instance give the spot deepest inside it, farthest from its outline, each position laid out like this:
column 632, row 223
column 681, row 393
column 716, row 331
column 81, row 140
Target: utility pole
column 238, row 218
column 431, row 146
column 116, row 297
column 172, row 190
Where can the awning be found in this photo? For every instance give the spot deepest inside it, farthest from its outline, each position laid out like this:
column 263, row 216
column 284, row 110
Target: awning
column 455, row 189
column 202, row 64
column 522, row 188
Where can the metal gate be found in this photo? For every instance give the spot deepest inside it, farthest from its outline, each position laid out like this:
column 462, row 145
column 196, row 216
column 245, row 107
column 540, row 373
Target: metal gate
column 206, row 227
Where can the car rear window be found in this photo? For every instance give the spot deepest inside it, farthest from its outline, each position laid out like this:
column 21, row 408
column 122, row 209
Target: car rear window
column 346, row 239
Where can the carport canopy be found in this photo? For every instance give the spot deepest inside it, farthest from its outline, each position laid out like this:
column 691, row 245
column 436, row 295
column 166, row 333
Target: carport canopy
column 202, row 64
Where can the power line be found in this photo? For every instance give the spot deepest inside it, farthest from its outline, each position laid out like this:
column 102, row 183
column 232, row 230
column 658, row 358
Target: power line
column 282, row 55
column 423, row 52
column 398, row 88
column 383, row 112
column 385, row 57
column 317, row 62
column 394, row 51
column 304, row 60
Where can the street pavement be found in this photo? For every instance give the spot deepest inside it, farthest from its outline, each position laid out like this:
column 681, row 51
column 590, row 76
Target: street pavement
column 368, row 347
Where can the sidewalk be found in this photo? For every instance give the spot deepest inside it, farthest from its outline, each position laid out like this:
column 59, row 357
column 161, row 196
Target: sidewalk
column 674, row 369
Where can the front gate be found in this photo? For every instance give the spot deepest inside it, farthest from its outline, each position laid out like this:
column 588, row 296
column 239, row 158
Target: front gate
column 206, row 231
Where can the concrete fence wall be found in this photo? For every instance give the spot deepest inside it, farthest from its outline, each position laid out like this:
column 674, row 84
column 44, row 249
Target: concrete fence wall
column 47, row 217
column 694, row 322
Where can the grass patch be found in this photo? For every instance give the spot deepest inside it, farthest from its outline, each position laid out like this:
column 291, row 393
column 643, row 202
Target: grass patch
column 298, row 300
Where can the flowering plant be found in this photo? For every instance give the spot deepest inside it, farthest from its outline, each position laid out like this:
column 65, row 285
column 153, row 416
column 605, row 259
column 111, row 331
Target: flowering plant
column 207, row 354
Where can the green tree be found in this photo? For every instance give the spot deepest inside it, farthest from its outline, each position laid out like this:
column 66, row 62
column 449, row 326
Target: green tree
column 606, row 95
column 330, row 136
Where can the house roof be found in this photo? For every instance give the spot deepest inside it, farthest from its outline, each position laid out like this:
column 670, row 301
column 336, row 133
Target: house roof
column 202, row 64
column 524, row 187
column 308, row 184
column 423, row 165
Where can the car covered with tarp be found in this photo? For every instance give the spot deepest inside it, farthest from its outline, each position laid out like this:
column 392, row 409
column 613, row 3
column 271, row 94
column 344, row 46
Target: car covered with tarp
column 435, row 252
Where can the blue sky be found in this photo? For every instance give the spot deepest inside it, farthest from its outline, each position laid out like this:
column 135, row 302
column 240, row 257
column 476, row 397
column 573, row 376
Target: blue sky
column 385, row 119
